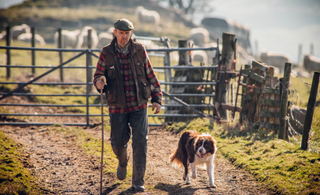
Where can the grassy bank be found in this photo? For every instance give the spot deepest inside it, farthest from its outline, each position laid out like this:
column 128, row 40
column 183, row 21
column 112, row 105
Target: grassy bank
column 14, row 177
column 282, row 166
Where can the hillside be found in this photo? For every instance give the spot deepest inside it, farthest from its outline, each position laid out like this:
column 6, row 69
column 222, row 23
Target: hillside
column 48, row 16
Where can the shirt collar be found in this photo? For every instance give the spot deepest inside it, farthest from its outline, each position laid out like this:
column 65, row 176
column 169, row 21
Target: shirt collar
column 123, row 50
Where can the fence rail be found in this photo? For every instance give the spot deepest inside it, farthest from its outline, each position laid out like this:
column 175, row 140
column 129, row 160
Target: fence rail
column 88, row 53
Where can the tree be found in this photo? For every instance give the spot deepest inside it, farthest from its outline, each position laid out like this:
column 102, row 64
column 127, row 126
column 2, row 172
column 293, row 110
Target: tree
column 190, row 7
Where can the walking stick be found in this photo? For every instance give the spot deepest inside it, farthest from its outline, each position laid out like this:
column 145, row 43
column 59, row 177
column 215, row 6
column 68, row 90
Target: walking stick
column 103, row 78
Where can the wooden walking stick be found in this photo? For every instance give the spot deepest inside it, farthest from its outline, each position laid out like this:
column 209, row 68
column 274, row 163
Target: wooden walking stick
column 103, row 78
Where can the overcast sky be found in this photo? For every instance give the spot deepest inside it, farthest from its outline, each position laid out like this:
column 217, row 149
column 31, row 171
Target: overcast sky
column 277, row 25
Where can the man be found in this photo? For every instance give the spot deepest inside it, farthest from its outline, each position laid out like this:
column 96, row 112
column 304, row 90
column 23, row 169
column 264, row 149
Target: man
column 129, row 75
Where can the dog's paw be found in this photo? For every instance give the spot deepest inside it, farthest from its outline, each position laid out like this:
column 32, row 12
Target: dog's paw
column 212, row 186
column 188, row 182
column 194, row 176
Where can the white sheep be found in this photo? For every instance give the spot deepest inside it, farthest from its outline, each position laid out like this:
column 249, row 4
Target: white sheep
column 69, row 38
column 104, row 39
column 200, row 36
column 18, row 30
column 274, row 59
column 311, row 63
column 147, row 16
column 83, row 37
column 148, row 44
column 26, row 37
column 200, row 56
column 3, row 35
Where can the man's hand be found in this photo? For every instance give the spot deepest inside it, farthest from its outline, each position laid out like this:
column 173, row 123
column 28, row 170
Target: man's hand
column 156, row 106
column 101, row 82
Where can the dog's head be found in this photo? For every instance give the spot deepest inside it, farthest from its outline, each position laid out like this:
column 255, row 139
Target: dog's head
column 204, row 144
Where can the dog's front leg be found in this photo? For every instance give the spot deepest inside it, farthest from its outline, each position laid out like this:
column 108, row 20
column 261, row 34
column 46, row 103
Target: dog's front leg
column 193, row 170
column 210, row 170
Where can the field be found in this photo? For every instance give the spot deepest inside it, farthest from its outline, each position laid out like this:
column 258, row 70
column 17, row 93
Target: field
column 277, row 164
column 63, row 159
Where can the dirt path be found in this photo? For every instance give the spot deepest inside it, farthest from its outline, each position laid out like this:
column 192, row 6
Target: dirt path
column 63, row 168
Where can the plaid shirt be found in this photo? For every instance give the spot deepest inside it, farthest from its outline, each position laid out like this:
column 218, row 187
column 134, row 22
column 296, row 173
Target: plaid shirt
column 128, row 80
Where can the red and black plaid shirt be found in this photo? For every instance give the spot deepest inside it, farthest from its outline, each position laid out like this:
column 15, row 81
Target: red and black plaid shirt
column 129, row 85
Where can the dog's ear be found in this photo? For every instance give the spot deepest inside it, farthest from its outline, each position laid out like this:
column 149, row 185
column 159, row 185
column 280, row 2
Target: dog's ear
column 190, row 149
column 212, row 148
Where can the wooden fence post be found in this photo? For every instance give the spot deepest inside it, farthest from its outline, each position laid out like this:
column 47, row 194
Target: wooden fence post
column 89, row 41
column 310, row 110
column 183, row 55
column 227, row 55
column 246, row 70
column 283, row 133
column 60, row 53
column 8, row 43
column 33, row 57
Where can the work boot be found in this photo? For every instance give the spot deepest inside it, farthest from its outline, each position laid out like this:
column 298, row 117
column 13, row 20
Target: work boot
column 121, row 153
column 138, row 188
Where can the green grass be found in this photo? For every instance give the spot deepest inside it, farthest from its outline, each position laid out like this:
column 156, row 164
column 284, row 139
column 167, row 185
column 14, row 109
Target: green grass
column 282, row 166
column 14, row 177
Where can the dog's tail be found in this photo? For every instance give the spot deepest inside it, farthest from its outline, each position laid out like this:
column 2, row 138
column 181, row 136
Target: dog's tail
column 175, row 158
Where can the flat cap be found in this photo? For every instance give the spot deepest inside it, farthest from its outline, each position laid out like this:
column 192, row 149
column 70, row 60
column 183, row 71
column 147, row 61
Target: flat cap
column 123, row 24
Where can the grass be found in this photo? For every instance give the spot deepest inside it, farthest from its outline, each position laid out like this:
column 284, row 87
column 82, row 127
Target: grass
column 14, row 177
column 282, row 166
column 100, row 17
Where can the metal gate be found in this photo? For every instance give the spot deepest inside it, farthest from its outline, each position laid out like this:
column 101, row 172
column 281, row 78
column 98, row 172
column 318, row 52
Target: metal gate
column 88, row 53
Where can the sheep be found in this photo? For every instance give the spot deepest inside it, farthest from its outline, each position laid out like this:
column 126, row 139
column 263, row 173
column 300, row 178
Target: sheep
column 273, row 59
column 311, row 63
column 200, row 36
column 69, row 38
column 148, row 44
column 83, row 37
column 110, row 30
column 147, row 16
column 26, row 37
column 200, row 56
column 3, row 35
column 18, row 30
column 104, row 39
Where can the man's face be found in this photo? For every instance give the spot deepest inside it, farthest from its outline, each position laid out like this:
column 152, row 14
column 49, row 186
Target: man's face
column 123, row 37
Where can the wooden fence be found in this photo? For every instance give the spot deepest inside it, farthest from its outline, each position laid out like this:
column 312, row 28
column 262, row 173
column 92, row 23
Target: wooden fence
column 265, row 97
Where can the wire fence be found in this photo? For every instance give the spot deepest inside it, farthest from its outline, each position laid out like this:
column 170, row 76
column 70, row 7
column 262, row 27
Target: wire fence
column 297, row 114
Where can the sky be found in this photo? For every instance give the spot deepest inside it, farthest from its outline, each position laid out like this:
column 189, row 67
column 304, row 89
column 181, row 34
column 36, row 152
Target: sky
column 7, row 3
column 278, row 26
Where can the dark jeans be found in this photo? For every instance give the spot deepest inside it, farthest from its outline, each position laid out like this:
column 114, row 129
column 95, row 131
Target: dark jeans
column 120, row 136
